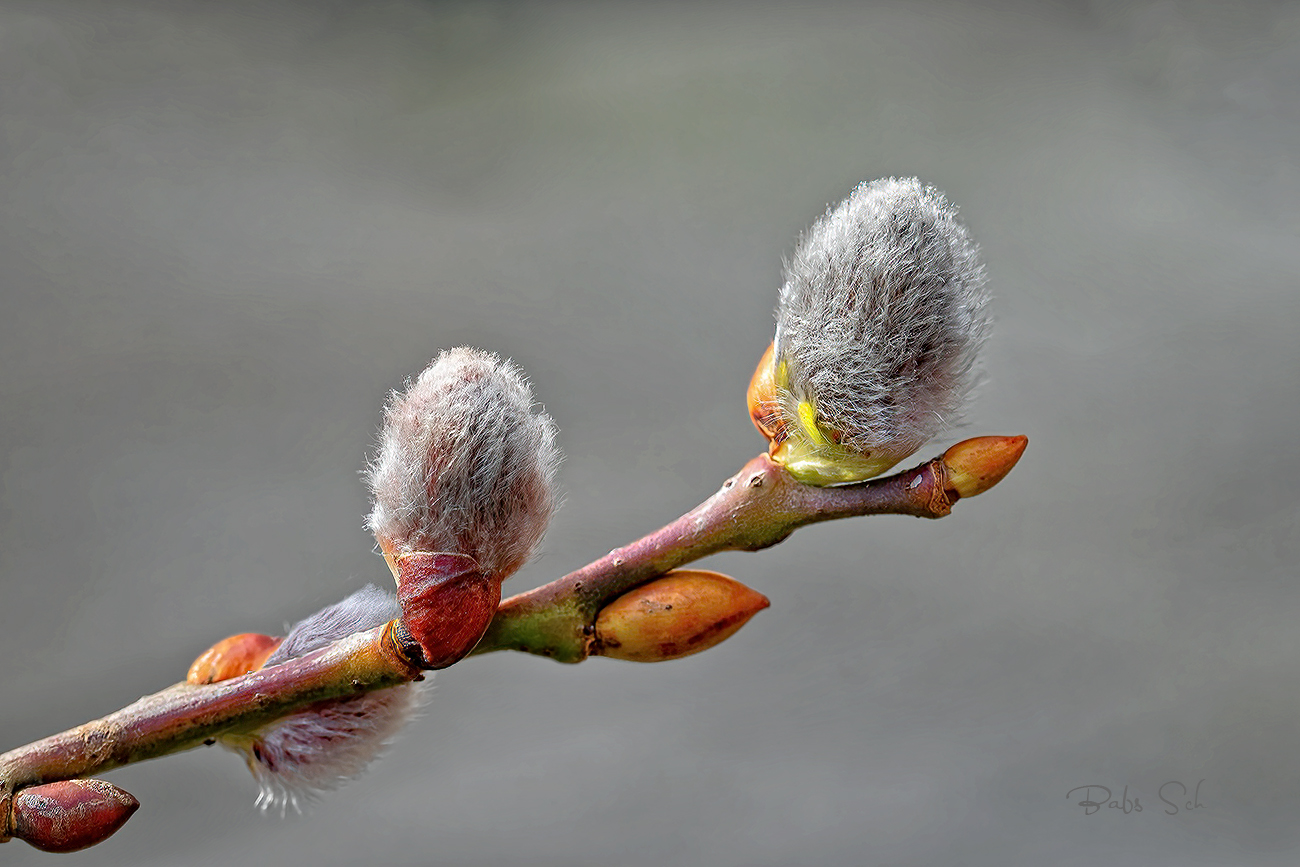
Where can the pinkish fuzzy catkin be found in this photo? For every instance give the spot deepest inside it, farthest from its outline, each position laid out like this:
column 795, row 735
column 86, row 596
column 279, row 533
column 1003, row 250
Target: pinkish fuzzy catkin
column 466, row 464
column 881, row 316
column 329, row 743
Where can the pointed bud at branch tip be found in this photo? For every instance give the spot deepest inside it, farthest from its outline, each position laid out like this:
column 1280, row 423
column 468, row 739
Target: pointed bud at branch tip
column 231, row 657
column 975, row 465
column 70, row 815
column 680, row 614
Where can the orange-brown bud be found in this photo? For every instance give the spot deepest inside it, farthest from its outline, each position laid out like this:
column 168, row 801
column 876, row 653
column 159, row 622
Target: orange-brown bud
column 677, row 615
column 764, row 408
column 71, row 814
column 231, row 657
column 447, row 603
column 975, row 465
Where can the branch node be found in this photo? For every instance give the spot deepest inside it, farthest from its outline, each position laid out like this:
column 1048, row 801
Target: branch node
column 940, row 504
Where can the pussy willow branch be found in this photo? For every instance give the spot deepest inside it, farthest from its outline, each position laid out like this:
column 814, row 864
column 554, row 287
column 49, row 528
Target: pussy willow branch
column 756, row 508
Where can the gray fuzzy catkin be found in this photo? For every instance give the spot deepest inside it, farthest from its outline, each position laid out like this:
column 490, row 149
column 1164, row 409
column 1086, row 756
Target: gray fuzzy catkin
column 331, row 742
column 365, row 609
column 881, row 315
column 466, row 464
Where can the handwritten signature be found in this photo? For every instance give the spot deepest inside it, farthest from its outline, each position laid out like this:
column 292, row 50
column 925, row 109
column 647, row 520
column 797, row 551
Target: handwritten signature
column 1097, row 797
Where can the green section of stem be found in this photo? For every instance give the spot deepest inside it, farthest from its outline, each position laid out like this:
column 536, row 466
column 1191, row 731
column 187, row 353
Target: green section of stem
column 553, row 631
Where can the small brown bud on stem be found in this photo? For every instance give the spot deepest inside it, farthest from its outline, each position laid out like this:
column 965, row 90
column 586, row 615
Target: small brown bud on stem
column 682, row 613
column 231, row 657
column 447, row 603
column 977, row 464
column 71, row 814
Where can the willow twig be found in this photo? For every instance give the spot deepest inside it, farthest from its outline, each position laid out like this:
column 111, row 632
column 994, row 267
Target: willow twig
column 754, row 509
column 757, row 507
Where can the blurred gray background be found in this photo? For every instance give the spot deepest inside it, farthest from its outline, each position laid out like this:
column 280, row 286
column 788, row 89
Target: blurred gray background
column 227, row 230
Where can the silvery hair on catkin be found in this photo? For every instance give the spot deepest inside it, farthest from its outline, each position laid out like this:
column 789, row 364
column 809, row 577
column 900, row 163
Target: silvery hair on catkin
column 466, row 463
column 881, row 315
column 328, row 743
